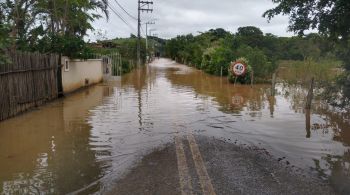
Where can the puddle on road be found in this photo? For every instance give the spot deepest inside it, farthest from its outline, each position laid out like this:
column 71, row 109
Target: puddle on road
column 88, row 140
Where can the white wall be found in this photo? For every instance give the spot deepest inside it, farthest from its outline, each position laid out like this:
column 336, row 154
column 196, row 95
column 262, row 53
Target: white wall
column 79, row 71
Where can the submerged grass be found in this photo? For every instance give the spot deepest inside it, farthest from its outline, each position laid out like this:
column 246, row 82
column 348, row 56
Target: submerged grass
column 332, row 81
column 324, row 71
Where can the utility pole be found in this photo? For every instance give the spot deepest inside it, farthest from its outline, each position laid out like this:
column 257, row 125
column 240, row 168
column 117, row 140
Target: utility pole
column 148, row 23
column 141, row 5
column 151, row 30
column 150, row 34
column 148, row 54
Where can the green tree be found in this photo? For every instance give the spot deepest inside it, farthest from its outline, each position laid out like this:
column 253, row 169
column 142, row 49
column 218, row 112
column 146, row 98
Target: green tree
column 4, row 43
column 329, row 17
column 251, row 36
column 214, row 50
column 257, row 60
column 218, row 58
column 38, row 25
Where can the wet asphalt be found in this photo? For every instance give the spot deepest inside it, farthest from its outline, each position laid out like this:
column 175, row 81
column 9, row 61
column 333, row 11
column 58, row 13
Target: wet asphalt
column 231, row 168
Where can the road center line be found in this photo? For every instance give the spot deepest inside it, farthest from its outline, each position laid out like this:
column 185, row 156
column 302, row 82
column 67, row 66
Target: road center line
column 204, row 178
column 184, row 176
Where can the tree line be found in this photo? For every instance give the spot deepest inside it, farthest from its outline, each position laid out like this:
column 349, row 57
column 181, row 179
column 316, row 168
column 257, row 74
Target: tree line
column 330, row 19
column 214, row 50
column 59, row 26
column 49, row 26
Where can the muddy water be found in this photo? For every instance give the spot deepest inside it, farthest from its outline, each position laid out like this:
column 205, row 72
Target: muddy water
column 85, row 142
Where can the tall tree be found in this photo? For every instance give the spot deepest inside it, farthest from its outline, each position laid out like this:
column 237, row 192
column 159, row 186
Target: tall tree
column 4, row 43
column 329, row 17
column 51, row 25
column 251, row 36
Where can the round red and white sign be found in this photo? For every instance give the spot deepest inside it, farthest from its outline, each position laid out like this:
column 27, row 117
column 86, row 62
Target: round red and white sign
column 238, row 68
column 237, row 100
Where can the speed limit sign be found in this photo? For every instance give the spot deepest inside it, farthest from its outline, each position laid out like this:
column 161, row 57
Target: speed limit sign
column 238, row 68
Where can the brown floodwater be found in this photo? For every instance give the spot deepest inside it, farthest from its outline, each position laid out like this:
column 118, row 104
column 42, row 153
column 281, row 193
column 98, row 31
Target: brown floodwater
column 86, row 141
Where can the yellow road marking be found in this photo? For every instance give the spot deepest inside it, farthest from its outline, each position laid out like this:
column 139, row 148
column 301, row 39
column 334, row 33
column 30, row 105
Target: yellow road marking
column 185, row 179
column 204, row 178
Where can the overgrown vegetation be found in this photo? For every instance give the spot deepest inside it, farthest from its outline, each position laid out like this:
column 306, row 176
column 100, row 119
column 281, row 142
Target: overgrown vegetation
column 323, row 71
column 330, row 19
column 4, row 43
column 214, row 50
column 50, row 26
column 127, row 48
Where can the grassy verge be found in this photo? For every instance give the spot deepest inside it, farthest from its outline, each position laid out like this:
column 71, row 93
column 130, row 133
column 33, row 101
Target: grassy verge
column 324, row 71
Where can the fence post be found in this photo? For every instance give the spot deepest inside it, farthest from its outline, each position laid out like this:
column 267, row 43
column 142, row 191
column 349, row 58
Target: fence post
column 273, row 86
column 308, row 122
column 59, row 76
column 116, row 64
column 121, row 65
column 118, row 68
column 251, row 79
column 221, row 72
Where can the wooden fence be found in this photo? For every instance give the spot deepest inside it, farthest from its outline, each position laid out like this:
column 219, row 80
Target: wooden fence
column 28, row 81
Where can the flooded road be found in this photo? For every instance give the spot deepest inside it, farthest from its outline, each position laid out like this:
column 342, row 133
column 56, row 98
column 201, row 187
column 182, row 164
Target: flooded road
column 88, row 141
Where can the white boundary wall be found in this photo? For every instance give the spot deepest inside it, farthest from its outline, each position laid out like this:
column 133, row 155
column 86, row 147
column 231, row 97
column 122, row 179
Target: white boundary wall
column 80, row 73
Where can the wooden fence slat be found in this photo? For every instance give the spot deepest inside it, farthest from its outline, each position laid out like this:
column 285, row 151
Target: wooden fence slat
column 29, row 80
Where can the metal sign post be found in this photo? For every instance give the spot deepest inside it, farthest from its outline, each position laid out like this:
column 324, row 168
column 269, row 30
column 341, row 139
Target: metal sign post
column 238, row 69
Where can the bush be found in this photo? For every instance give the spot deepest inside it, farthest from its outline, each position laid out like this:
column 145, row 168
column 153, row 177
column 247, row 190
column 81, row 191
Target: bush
column 126, row 66
column 258, row 61
column 216, row 58
column 222, row 54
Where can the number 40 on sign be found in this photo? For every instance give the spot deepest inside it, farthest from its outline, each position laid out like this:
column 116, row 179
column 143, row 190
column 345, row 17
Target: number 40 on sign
column 238, row 68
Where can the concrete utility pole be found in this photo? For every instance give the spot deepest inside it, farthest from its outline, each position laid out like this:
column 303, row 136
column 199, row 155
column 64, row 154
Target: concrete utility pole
column 148, row 23
column 141, row 5
column 151, row 30
column 150, row 34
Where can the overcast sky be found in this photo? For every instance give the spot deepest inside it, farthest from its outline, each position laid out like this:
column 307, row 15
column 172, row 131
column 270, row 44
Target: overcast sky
column 177, row 17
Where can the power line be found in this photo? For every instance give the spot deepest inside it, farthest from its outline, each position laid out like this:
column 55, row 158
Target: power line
column 131, row 16
column 120, row 17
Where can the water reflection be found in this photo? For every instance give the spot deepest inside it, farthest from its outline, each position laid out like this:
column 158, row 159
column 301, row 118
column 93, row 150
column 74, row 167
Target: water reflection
column 327, row 135
column 272, row 103
column 85, row 142
column 308, row 122
column 42, row 152
column 251, row 99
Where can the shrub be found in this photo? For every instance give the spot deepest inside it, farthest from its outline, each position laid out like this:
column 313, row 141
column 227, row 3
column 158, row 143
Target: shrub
column 258, row 61
column 216, row 58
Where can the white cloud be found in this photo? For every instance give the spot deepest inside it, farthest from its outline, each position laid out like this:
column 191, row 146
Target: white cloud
column 190, row 16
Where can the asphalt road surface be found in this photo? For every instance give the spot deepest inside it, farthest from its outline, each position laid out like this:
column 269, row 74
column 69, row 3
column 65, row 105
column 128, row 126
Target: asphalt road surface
column 204, row 165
